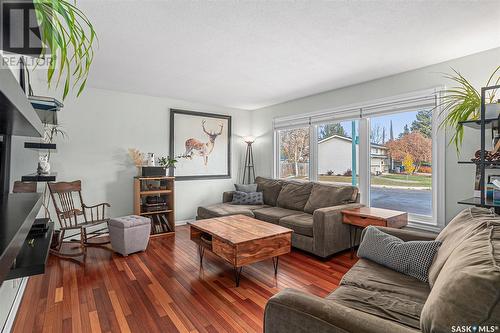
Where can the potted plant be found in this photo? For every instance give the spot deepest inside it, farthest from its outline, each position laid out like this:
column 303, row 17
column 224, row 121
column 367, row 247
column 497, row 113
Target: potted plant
column 69, row 36
column 167, row 162
column 463, row 102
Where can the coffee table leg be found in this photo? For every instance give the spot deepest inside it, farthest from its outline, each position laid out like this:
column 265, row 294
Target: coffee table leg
column 237, row 275
column 275, row 265
column 201, row 252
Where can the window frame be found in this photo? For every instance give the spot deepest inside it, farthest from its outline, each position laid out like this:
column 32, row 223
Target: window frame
column 433, row 223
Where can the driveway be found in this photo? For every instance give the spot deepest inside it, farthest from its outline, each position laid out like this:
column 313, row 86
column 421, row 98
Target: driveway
column 411, row 201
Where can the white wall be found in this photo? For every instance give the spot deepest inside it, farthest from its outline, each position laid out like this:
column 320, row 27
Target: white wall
column 103, row 124
column 459, row 178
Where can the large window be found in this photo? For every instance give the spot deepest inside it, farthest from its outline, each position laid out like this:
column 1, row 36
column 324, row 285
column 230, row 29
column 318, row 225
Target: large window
column 391, row 149
column 338, row 152
column 401, row 162
column 294, row 153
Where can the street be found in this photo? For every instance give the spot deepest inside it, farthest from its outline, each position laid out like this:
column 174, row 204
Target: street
column 411, row 201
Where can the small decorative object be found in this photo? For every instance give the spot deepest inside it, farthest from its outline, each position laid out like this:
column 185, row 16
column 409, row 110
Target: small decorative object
column 137, row 158
column 43, row 164
column 496, row 191
column 202, row 144
column 489, row 156
column 490, row 188
column 249, row 171
column 151, row 159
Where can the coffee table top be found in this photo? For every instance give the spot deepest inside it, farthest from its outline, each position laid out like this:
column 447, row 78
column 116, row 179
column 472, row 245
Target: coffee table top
column 374, row 213
column 239, row 228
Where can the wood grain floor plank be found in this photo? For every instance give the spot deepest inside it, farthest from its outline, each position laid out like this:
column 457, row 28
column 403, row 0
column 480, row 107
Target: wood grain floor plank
column 164, row 290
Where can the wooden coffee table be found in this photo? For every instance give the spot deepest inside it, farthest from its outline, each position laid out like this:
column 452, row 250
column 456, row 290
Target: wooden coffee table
column 241, row 240
column 359, row 218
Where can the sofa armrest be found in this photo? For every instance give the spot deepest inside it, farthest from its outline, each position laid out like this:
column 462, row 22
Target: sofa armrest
column 330, row 234
column 406, row 235
column 292, row 311
column 227, row 196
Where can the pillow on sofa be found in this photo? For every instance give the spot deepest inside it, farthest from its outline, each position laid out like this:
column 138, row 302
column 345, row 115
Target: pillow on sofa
column 270, row 189
column 245, row 198
column 294, row 195
column 412, row 258
column 325, row 195
column 467, row 289
column 248, row 188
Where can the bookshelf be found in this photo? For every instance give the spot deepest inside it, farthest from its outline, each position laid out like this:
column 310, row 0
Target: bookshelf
column 154, row 198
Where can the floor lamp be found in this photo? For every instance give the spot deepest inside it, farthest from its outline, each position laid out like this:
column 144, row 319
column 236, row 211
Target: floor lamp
column 249, row 172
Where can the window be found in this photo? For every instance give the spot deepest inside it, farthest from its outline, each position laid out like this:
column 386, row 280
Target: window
column 338, row 152
column 401, row 162
column 389, row 148
column 293, row 159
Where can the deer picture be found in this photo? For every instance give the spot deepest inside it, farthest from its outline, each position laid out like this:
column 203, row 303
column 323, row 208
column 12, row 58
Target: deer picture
column 194, row 146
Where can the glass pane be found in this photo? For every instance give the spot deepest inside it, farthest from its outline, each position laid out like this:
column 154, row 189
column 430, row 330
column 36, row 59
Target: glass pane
column 401, row 162
column 294, row 153
column 338, row 153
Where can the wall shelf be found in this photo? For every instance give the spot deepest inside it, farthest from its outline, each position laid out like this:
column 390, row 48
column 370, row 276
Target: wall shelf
column 35, row 177
column 477, row 202
column 17, row 116
column 17, row 213
column 32, row 257
column 39, row 145
column 476, row 124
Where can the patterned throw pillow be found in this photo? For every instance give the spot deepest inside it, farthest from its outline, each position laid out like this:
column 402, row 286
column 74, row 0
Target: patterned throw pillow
column 248, row 188
column 412, row 258
column 244, row 198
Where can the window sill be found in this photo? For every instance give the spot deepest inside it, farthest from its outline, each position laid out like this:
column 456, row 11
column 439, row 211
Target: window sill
column 423, row 226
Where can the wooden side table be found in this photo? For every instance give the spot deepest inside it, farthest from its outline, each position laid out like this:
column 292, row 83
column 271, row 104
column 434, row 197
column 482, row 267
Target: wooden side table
column 360, row 218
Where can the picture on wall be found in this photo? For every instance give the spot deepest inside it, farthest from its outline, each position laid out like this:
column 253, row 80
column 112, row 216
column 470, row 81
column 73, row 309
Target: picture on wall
column 201, row 143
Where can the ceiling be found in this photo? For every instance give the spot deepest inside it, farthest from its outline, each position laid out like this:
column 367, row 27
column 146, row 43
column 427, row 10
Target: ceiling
column 251, row 54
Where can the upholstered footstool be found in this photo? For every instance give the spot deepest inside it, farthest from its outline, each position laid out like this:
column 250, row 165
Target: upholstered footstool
column 129, row 234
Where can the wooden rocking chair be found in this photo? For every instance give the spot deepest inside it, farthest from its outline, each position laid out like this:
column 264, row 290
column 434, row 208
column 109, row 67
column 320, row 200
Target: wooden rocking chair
column 77, row 218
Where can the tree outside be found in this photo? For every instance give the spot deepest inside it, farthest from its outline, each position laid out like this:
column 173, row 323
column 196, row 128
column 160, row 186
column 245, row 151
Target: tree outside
column 408, row 164
column 294, row 150
column 414, row 144
column 329, row 130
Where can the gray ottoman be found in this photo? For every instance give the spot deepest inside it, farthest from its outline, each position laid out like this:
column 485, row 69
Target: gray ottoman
column 129, row 234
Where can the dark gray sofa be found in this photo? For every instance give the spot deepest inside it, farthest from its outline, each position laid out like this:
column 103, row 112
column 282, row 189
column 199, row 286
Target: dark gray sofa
column 463, row 289
column 311, row 210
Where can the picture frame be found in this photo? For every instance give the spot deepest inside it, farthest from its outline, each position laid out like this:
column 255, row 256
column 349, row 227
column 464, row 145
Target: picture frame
column 201, row 143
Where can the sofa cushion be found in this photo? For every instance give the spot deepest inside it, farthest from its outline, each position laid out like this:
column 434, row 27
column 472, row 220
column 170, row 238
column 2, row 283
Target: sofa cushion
column 294, row 195
column 225, row 209
column 467, row 290
column 301, row 224
column 273, row 214
column 367, row 274
column 327, row 195
column 411, row 258
column 375, row 289
column 464, row 225
column 270, row 188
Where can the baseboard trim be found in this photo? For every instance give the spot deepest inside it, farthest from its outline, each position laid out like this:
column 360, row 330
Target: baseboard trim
column 9, row 323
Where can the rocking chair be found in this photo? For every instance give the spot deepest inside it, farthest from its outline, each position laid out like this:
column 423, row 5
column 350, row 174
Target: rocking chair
column 77, row 218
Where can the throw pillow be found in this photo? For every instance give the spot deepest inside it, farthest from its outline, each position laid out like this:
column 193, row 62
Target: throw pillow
column 412, row 258
column 246, row 187
column 244, row 198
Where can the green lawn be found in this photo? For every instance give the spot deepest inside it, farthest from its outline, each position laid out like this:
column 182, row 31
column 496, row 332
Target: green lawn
column 387, row 180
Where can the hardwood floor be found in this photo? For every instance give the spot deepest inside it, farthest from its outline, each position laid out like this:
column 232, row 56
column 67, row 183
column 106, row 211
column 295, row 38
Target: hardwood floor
column 164, row 290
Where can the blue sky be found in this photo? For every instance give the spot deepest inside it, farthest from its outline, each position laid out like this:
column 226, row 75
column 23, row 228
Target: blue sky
column 399, row 120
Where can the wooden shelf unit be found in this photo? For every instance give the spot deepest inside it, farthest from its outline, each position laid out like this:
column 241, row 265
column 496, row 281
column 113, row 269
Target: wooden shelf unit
column 163, row 219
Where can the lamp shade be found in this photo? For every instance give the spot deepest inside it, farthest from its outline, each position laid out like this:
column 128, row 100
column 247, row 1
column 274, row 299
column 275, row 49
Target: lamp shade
column 249, row 139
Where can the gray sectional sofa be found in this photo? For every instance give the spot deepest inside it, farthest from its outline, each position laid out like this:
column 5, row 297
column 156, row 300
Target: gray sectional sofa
column 463, row 289
column 311, row 210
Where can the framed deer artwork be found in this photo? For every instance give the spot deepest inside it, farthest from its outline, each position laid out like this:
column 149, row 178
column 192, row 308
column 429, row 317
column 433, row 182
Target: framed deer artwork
column 201, row 143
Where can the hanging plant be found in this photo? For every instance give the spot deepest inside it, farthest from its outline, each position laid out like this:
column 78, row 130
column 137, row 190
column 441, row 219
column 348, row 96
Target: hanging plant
column 463, row 102
column 68, row 39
